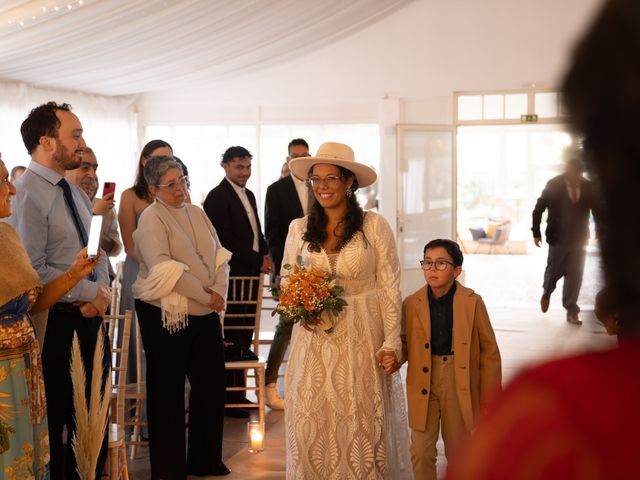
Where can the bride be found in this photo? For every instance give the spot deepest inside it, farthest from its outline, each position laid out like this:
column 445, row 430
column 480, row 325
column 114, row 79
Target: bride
column 345, row 416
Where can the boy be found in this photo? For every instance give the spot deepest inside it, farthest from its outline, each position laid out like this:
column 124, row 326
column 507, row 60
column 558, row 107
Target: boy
column 454, row 361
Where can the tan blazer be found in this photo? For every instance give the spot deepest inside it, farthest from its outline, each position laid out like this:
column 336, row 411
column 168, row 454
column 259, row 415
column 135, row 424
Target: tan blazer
column 478, row 370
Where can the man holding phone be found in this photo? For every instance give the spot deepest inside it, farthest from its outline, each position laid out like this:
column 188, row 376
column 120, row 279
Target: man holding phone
column 53, row 217
column 86, row 178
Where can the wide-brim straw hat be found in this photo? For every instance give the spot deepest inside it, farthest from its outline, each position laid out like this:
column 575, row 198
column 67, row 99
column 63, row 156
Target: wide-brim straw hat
column 337, row 154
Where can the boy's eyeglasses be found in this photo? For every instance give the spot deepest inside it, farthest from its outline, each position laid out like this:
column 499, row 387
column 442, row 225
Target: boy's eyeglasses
column 439, row 264
column 182, row 181
column 330, row 180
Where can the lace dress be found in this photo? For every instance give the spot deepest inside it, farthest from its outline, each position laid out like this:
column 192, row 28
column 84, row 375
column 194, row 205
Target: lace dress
column 24, row 438
column 345, row 418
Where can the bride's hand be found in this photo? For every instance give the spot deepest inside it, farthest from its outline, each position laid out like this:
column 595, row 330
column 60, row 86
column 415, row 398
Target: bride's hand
column 388, row 361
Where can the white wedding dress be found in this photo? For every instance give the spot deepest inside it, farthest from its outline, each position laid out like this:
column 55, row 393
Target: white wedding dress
column 345, row 418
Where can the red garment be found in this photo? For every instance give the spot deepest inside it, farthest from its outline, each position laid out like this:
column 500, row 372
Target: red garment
column 575, row 418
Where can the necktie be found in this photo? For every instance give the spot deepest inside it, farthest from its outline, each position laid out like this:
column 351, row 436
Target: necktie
column 68, row 197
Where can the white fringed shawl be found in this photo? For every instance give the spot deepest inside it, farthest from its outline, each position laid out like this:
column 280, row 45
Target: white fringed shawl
column 159, row 285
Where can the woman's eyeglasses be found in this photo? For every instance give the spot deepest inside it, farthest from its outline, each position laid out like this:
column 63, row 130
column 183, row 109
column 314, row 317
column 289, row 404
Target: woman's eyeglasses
column 439, row 264
column 182, row 181
column 330, row 180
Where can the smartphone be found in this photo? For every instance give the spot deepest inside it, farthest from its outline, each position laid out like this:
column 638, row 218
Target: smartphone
column 95, row 235
column 109, row 187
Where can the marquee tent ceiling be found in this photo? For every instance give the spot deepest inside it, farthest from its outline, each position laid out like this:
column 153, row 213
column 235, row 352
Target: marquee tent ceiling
column 120, row 47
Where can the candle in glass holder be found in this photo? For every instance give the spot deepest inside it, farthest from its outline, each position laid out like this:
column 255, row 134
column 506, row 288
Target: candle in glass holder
column 256, row 436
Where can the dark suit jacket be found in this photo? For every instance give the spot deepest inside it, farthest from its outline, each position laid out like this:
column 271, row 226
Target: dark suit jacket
column 282, row 205
column 227, row 214
column 565, row 219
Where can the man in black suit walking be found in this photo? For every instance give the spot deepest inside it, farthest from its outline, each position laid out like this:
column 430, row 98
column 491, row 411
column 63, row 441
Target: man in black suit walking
column 569, row 198
column 232, row 209
column 287, row 199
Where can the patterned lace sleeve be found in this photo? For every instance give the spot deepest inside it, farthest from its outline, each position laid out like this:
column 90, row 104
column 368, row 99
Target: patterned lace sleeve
column 387, row 280
column 293, row 245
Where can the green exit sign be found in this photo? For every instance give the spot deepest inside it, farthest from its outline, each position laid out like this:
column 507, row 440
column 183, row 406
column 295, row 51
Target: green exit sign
column 533, row 118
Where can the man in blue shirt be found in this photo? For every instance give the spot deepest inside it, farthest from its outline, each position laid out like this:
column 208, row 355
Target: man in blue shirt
column 53, row 218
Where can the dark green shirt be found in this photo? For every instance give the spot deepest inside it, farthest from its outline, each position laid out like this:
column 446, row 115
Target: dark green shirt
column 441, row 312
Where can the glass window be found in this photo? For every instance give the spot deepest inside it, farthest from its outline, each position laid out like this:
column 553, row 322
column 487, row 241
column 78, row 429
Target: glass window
column 201, row 147
column 493, row 107
column 470, row 107
column 546, row 104
column 515, row 105
column 501, row 172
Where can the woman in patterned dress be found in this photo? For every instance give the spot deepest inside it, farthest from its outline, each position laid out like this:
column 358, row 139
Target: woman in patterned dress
column 24, row 438
column 345, row 415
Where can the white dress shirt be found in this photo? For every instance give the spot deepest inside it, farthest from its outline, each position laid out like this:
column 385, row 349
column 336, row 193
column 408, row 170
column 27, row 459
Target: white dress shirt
column 303, row 193
column 242, row 193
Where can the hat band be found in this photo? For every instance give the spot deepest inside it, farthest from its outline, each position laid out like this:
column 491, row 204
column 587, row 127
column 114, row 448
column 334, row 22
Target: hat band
column 328, row 156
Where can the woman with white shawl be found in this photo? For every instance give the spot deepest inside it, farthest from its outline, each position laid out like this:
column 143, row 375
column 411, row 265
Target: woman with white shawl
column 180, row 291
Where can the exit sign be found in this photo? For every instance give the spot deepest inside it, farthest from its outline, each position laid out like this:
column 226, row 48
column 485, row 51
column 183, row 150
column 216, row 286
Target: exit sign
column 529, row 118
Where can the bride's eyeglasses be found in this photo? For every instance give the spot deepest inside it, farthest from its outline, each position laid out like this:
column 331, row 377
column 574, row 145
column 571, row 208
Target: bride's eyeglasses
column 330, row 180
column 182, row 181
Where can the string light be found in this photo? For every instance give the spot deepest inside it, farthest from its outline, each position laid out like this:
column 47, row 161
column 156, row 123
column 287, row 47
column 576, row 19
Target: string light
column 28, row 17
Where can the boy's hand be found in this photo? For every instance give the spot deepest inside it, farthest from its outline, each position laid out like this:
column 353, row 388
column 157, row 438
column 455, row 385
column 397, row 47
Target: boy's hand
column 388, row 361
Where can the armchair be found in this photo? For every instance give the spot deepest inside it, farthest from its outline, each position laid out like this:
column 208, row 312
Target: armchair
column 497, row 234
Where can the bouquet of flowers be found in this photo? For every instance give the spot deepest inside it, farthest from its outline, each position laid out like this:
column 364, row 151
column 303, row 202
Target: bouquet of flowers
column 308, row 296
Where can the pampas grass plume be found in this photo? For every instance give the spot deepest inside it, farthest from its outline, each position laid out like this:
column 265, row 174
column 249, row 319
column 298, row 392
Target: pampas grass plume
column 91, row 420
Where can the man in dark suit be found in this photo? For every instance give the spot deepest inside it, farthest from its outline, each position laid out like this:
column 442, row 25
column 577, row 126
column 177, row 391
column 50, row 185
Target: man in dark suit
column 232, row 209
column 287, row 199
column 569, row 198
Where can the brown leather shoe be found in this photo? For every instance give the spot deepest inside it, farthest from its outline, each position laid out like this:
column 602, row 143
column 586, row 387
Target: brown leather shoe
column 574, row 319
column 544, row 304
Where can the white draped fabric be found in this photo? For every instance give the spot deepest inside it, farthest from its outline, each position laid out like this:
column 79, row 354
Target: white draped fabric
column 345, row 418
column 109, row 127
column 117, row 47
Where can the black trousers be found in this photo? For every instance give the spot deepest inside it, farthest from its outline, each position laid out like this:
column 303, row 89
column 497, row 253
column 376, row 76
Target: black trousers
column 196, row 353
column 65, row 320
column 242, row 338
column 567, row 262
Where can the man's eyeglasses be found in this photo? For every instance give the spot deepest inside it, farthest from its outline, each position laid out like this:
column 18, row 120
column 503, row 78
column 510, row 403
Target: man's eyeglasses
column 181, row 182
column 330, row 180
column 439, row 264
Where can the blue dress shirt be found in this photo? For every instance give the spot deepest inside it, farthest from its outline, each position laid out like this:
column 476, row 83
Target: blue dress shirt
column 46, row 226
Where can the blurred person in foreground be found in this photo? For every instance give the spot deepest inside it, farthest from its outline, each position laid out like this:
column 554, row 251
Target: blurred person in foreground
column 24, row 437
column 579, row 417
column 180, row 290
